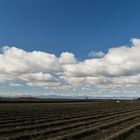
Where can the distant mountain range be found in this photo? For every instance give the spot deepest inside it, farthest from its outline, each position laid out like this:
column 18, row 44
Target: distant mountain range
column 66, row 97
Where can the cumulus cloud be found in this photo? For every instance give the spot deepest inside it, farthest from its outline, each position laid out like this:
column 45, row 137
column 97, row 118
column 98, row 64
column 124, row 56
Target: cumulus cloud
column 67, row 58
column 95, row 54
column 36, row 68
column 119, row 63
column 40, row 79
column 15, row 60
column 119, row 67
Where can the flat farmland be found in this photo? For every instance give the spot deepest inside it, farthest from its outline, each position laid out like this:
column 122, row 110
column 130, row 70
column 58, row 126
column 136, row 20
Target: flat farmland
column 70, row 120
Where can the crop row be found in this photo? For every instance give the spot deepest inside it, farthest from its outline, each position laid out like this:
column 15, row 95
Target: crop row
column 75, row 134
column 20, row 111
column 123, row 132
column 62, row 120
column 43, row 119
column 45, row 130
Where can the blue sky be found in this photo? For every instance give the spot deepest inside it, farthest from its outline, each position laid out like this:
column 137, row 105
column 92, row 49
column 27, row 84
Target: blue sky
column 77, row 26
column 80, row 27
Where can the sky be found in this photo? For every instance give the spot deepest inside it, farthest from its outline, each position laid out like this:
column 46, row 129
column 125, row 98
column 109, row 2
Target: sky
column 70, row 48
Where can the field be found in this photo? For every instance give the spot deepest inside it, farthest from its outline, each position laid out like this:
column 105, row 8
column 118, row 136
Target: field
column 69, row 120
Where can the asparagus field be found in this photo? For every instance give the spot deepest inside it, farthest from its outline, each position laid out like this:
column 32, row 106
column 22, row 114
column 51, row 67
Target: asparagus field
column 88, row 120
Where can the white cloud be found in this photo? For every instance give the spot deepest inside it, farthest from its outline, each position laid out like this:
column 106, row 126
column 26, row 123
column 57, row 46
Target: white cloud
column 119, row 67
column 33, row 67
column 67, row 58
column 95, row 54
column 117, row 63
column 40, row 79
column 15, row 60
